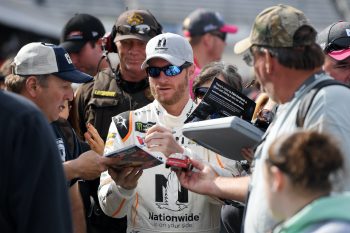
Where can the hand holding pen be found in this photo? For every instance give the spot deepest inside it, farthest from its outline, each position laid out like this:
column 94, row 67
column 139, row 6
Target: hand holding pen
column 161, row 139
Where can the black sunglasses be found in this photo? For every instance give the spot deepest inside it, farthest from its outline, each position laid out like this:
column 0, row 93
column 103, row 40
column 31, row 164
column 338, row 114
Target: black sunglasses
column 338, row 44
column 142, row 29
column 221, row 35
column 199, row 92
column 169, row 70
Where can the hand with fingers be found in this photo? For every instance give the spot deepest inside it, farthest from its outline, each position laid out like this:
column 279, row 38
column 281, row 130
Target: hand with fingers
column 90, row 165
column 94, row 139
column 161, row 139
column 200, row 180
column 248, row 154
column 127, row 177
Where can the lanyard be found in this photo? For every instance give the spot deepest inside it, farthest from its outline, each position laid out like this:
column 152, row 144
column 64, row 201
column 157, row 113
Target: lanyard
column 309, row 81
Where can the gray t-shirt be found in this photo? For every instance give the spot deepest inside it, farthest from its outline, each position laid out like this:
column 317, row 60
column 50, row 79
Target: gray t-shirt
column 329, row 113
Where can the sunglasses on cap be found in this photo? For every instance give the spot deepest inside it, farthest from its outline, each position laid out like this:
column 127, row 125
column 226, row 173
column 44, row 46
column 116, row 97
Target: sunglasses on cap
column 141, row 29
column 338, row 44
column 199, row 92
column 169, row 70
column 220, row 35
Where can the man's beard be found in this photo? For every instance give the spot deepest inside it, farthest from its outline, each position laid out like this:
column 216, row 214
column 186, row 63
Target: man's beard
column 181, row 89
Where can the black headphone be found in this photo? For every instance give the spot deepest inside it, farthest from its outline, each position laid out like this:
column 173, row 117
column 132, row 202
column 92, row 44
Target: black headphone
column 108, row 44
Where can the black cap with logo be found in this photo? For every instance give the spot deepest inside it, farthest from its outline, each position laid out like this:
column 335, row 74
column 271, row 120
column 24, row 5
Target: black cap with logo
column 80, row 29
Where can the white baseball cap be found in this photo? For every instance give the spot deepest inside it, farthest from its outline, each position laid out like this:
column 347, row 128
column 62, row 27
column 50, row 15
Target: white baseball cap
column 41, row 58
column 169, row 46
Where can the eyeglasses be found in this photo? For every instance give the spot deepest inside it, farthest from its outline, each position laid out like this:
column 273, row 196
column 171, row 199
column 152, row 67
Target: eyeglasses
column 142, row 29
column 338, row 44
column 169, row 70
column 342, row 66
column 248, row 57
column 221, row 35
column 250, row 84
column 199, row 92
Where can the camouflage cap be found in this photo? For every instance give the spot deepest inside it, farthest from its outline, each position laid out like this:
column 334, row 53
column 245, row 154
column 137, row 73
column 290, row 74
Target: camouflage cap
column 275, row 27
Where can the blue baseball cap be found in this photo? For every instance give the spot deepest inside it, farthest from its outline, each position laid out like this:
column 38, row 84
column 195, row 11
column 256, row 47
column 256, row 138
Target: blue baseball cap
column 42, row 58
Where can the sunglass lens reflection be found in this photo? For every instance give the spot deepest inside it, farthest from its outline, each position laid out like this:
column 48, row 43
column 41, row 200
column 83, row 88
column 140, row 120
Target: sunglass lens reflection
column 200, row 92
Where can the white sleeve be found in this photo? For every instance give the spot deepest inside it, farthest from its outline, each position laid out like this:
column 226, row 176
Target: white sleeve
column 114, row 200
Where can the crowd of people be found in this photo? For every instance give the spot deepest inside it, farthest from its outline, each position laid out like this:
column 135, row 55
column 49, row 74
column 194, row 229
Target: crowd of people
column 138, row 85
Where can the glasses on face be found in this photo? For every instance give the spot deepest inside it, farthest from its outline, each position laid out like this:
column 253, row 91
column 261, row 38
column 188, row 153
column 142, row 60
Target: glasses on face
column 338, row 44
column 142, row 29
column 248, row 57
column 199, row 92
column 342, row 65
column 221, row 35
column 250, row 84
column 169, row 70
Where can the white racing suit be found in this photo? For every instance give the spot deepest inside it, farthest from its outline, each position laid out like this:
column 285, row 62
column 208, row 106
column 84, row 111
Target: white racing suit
column 159, row 203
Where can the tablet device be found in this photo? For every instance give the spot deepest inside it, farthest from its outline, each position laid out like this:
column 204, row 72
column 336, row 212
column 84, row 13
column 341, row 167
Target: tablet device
column 225, row 136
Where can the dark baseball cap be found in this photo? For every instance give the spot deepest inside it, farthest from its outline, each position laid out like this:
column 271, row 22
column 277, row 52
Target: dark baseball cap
column 79, row 30
column 137, row 24
column 335, row 40
column 202, row 21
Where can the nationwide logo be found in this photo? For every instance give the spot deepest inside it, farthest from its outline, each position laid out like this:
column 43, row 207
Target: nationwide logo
column 170, row 195
column 171, row 218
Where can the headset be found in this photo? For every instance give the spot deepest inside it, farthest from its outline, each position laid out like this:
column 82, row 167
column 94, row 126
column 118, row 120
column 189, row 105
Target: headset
column 108, row 44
